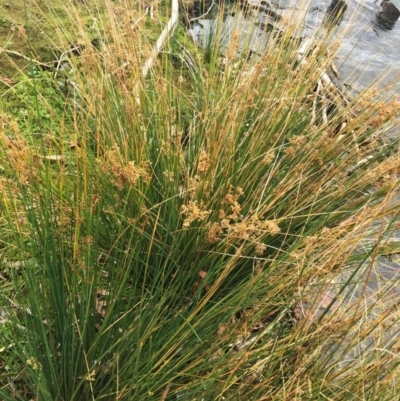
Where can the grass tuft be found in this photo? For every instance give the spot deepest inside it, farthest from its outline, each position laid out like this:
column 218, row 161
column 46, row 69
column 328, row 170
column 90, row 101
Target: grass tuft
column 175, row 235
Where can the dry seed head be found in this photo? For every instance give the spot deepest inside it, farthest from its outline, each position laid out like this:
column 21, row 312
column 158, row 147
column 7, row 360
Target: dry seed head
column 122, row 174
column 131, row 221
column 250, row 229
column 242, row 230
column 194, row 183
column 132, row 172
column 86, row 240
column 290, row 151
column 89, row 60
column 269, row 157
column 169, row 175
column 390, row 166
column 368, row 97
column 24, row 163
column 204, row 162
column 65, row 213
column 236, row 208
column 233, row 45
column 233, row 195
column 94, row 199
column 213, row 233
column 193, row 212
column 270, row 226
column 21, row 32
column 225, row 223
column 286, row 20
column 260, row 248
column 297, row 141
column 231, row 199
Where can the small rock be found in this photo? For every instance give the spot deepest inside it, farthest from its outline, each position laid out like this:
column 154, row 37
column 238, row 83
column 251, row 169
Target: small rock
column 336, row 10
column 388, row 12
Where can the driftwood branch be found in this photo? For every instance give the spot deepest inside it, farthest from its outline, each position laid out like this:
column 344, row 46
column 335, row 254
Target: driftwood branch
column 203, row 15
column 165, row 35
column 161, row 41
column 326, row 94
column 13, row 53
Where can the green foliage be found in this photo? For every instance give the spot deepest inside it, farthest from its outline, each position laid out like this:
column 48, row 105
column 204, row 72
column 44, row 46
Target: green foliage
column 174, row 223
column 4, row 23
column 35, row 100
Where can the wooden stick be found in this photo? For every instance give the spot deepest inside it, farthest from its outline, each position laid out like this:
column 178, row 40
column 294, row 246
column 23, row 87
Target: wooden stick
column 161, row 41
column 165, row 35
column 203, row 15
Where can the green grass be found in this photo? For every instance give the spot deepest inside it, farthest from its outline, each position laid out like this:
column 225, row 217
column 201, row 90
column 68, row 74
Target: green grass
column 159, row 232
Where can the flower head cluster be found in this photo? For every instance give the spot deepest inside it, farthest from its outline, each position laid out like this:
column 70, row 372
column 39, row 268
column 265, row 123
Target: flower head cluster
column 233, row 226
column 193, row 212
column 24, row 162
column 123, row 173
column 204, row 162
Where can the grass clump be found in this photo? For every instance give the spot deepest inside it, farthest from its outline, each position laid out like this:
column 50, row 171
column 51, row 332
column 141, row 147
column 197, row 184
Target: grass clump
column 169, row 229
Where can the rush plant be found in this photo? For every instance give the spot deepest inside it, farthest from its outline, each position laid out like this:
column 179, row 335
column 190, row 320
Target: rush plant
column 167, row 235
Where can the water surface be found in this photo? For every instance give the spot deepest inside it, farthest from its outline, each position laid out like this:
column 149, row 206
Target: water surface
column 369, row 51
